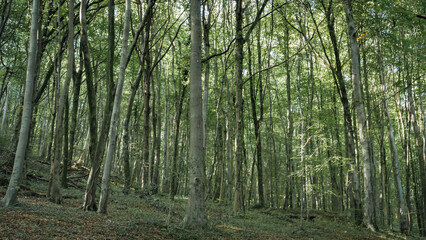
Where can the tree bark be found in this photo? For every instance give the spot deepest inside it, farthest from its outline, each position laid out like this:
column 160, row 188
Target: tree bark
column 354, row 182
column 11, row 198
column 420, row 155
column 146, row 99
column 90, row 193
column 369, row 167
column 195, row 213
column 54, row 191
column 239, row 109
column 174, row 168
column 115, row 114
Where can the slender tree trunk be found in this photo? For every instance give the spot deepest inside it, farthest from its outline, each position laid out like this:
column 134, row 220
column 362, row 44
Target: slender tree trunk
column 115, row 114
column 290, row 197
column 66, row 144
column 258, row 121
column 195, row 213
column 165, row 182
column 369, row 167
column 126, row 134
column 54, row 189
column 147, row 109
column 420, row 155
column 239, row 109
column 354, row 183
column 174, row 170
column 206, row 38
column 156, row 150
column 11, row 198
column 228, row 141
column 73, row 126
column 402, row 213
column 3, row 120
column 89, row 196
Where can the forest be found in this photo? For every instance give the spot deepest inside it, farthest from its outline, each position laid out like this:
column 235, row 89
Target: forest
column 215, row 116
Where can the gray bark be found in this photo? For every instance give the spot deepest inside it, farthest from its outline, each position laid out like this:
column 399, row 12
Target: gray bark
column 195, row 213
column 115, row 114
column 54, row 191
column 11, row 194
column 368, row 165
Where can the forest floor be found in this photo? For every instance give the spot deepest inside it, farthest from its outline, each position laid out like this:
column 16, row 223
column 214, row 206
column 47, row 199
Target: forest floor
column 154, row 217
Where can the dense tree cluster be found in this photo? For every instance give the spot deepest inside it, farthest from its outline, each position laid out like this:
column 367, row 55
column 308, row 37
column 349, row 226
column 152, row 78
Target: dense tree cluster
column 307, row 104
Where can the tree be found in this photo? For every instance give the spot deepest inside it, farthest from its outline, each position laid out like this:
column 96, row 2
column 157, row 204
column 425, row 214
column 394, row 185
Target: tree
column 12, row 190
column 369, row 167
column 195, row 212
column 115, row 114
column 53, row 191
column 89, row 196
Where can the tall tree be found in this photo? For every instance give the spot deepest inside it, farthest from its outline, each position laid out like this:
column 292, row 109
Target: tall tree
column 115, row 114
column 11, row 197
column 240, row 39
column 195, row 213
column 368, row 164
column 53, row 191
column 90, row 193
column 147, row 74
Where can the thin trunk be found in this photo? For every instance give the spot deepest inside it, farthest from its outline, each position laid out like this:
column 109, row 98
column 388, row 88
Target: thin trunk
column 115, row 114
column 89, row 196
column 11, row 198
column 239, row 109
column 165, row 174
column 157, row 149
column 369, row 167
column 126, row 134
column 420, row 155
column 174, row 170
column 75, row 103
column 206, row 31
column 354, row 183
column 66, row 144
column 290, row 197
column 195, row 213
column 402, row 213
column 146, row 100
column 54, row 193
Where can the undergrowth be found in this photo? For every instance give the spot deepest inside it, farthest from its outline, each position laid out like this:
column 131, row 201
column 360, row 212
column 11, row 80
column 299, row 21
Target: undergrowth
column 138, row 216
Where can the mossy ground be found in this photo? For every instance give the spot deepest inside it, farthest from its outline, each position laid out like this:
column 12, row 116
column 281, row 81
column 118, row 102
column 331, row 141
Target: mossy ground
column 155, row 217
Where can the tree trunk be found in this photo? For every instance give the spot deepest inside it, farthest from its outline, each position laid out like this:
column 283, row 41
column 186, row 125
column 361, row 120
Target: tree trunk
column 174, row 170
column 165, row 182
column 115, row 114
column 11, row 198
column 126, row 133
column 369, row 167
column 156, row 150
column 195, row 213
column 402, row 213
column 75, row 103
column 206, row 30
column 239, row 109
column 290, row 197
column 420, row 155
column 146, row 99
column 53, row 192
column 89, row 196
column 354, row 188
